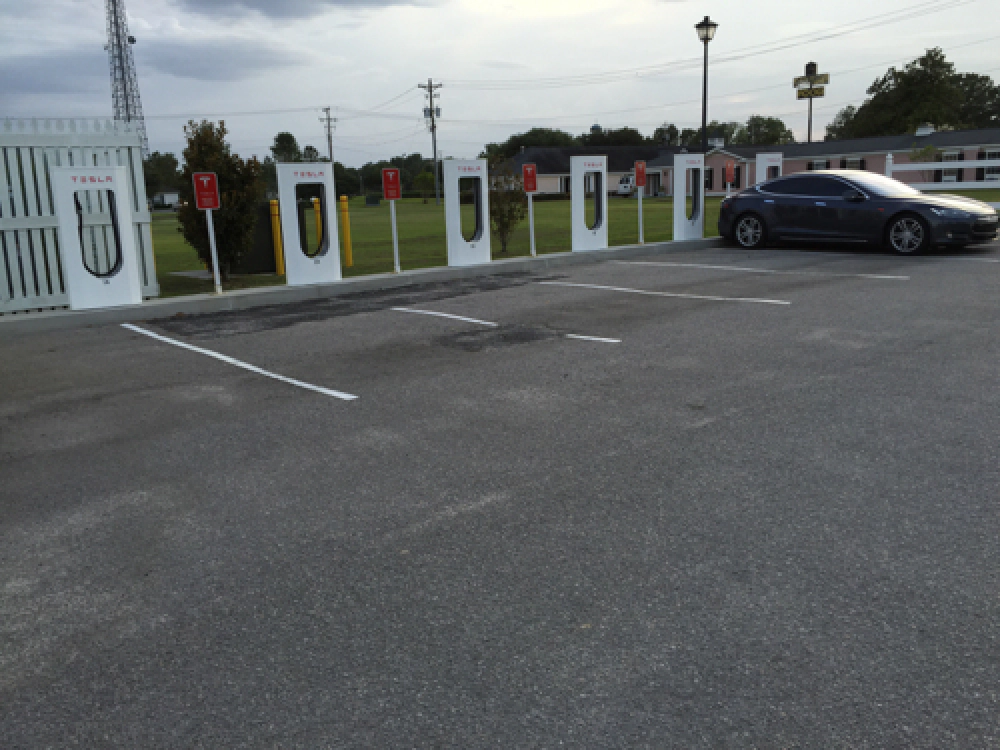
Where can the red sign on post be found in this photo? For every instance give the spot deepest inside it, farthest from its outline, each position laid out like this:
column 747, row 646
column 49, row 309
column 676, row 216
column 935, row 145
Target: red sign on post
column 640, row 174
column 529, row 173
column 730, row 172
column 206, row 191
column 391, row 188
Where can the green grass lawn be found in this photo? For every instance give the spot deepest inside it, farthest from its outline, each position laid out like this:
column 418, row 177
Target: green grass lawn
column 173, row 253
column 422, row 238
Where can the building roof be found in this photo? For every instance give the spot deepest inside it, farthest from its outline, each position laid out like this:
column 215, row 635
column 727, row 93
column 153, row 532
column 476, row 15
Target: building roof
column 623, row 158
column 556, row 160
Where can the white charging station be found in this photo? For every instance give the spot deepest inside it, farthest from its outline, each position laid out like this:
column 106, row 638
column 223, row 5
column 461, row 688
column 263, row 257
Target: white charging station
column 476, row 249
column 689, row 169
column 768, row 166
column 300, row 268
column 589, row 171
column 96, row 240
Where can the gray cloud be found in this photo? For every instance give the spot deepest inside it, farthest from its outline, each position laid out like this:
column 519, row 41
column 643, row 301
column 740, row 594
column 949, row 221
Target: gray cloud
column 287, row 8
column 80, row 70
column 213, row 59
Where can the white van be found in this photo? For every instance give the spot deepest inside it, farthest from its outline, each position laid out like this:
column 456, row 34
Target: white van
column 626, row 185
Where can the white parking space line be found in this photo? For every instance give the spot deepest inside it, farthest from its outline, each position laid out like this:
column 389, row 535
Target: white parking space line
column 748, row 269
column 444, row 315
column 678, row 295
column 593, row 338
column 243, row 365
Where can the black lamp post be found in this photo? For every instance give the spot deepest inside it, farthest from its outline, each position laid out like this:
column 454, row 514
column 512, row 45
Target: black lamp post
column 706, row 32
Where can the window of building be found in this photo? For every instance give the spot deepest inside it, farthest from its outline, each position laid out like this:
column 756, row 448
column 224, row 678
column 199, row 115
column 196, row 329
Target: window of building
column 950, row 175
column 709, row 178
column 819, row 164
column 993, row 173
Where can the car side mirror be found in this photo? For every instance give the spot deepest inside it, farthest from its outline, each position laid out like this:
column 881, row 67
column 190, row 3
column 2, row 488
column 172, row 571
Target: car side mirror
column 853, row 196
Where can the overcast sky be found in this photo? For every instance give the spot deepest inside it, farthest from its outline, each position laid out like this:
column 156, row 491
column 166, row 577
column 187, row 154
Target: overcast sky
column 506, row 65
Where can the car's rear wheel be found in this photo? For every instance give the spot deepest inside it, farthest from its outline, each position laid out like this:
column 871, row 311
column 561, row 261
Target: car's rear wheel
column 750, row 231
column 908, row 235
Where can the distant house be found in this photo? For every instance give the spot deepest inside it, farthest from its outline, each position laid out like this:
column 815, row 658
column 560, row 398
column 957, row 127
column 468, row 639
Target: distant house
column 166, row 200
column 952, row 147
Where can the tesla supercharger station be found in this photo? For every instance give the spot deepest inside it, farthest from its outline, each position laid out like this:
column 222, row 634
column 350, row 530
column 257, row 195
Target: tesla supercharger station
column 592, row 169
column 476, row 249
column 96, row 239
column 768, row 167
column 300, row 267
column 689, row 167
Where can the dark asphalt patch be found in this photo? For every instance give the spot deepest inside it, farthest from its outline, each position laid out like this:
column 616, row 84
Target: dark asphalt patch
column 491, row 338
column 259, row 319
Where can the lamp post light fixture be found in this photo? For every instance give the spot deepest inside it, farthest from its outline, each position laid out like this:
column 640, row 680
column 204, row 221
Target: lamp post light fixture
column 706, row 32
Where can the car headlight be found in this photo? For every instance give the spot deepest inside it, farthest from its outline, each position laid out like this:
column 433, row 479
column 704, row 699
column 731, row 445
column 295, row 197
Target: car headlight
column 951, row 213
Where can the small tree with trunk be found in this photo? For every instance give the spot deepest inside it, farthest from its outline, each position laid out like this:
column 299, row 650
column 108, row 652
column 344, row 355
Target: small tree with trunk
column 240, row 189
column 508, row 202
column 926, row 154
column 424, row 182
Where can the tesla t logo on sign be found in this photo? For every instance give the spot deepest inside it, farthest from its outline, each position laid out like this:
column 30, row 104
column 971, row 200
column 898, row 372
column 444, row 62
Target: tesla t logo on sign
column 391, row 189
column 206, row 191
column 530, row 175
column 640, row 174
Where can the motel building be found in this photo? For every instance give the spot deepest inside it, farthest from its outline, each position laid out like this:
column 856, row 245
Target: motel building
column 872, row 154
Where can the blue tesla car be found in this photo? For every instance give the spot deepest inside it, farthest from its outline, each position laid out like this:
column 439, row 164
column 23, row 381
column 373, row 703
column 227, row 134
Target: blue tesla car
column 847, row 206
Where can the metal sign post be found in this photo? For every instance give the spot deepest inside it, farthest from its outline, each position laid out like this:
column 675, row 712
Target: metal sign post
column 206, row 198
column 529, row 174
column 392, row 192
column 730, row 175
column 640, row 184
column 814, row 83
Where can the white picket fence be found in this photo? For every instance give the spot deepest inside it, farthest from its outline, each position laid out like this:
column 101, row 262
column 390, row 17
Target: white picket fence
column 892, row 168
column 30, row 267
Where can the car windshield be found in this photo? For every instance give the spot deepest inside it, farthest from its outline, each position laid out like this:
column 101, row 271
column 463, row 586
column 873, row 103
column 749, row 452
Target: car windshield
column 884, row 187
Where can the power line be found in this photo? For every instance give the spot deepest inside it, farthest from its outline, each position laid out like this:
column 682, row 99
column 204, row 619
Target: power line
column 586, row 79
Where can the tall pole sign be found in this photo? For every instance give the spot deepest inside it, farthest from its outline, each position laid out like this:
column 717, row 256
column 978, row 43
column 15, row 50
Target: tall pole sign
column 206, row 198
column 529, row 175
column 392, row 191
column 640, row 186
column 811, row 86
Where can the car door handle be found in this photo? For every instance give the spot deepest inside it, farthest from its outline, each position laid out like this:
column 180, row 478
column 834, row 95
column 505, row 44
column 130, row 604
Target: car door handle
column 768, row 201
column 820, row 203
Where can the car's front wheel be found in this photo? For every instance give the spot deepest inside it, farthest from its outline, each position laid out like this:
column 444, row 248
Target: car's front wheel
column 908, row 235
column 749, row 231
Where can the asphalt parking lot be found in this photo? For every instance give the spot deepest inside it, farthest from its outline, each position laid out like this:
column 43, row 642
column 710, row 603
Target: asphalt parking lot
column 700, row 500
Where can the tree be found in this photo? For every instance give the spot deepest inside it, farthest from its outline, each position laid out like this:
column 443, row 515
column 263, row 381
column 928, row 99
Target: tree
column 763, row 131
column 691, row 137
column 240, row 188
column 541, row 137
column 980, row 101
column 424, row 182
column 840, row 127
column 601, row 138
column 285, row 148
column 667, row 135
column 310, row 154
column 926, row 154
column 160, row 173
column 925, row 90
column 508, row 201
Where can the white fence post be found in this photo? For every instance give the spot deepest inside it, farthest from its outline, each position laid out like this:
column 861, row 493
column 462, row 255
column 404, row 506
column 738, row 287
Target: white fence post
column 30, row 263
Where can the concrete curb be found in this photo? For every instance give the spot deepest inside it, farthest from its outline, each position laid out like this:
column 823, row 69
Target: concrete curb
column 58, row 320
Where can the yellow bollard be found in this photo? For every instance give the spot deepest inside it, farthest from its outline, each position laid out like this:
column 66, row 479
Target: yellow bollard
column 279, row 252
column 318, row 216
column 345, row 223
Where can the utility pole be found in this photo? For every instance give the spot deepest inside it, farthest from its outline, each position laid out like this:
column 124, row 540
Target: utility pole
column 431, row 113
column 330, row 123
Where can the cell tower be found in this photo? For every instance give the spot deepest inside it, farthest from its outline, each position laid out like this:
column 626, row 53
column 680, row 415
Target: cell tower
column 124, row 81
